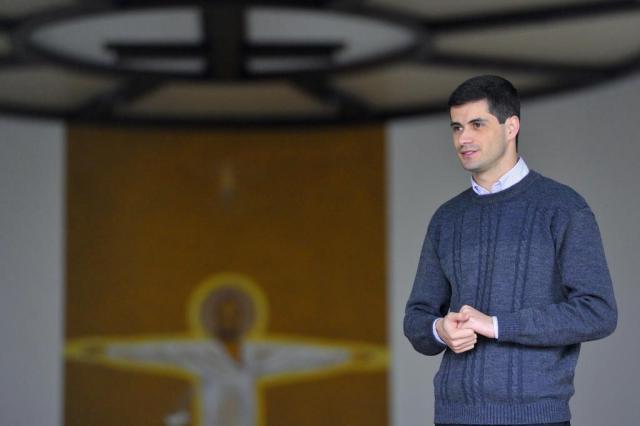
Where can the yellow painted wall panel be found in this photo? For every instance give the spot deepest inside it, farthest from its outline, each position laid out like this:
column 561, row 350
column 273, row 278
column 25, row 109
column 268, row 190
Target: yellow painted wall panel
column 155, row 215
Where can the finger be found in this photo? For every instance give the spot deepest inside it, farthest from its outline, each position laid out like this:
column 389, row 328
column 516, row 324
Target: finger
column 458, row 316
column 473, row 322
column 461, row 333
column 467, row 325
column 460, row 349
column 459, row 343
column 464, row 342
column 468, row 309
column 465, row 349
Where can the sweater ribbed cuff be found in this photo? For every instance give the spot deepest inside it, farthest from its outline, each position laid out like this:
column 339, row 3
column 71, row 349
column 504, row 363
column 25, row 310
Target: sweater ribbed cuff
column 509, row 326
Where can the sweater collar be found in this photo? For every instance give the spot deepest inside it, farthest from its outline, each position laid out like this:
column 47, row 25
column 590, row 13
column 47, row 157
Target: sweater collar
column 513, row 176
column 513, row 190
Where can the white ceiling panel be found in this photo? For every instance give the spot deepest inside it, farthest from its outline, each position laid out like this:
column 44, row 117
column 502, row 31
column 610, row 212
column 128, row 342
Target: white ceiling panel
column 361, row 36
column 448, row 8
column 601, row 40
column 405, row 85
column 48, row 87
column 203, row 100
column 85, row 38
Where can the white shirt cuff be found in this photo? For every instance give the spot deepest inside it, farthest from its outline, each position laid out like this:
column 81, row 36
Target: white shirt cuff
column 495, row 326
column 435, row 332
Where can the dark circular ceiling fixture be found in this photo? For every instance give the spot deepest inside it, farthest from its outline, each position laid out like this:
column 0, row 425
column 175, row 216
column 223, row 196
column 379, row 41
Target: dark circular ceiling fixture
column 288, row 63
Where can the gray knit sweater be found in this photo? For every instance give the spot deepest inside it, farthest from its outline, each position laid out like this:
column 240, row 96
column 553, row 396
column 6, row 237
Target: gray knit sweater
column 532, row 256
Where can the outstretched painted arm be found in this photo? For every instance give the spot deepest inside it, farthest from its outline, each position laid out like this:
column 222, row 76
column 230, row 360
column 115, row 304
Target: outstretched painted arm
column 185, row 355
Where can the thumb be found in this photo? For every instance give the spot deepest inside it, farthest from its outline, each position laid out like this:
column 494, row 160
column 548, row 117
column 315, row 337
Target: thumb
column 464, row 317
column 460, row 316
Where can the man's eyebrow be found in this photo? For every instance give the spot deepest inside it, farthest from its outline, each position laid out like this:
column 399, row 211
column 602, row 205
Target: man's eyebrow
column 473, row 120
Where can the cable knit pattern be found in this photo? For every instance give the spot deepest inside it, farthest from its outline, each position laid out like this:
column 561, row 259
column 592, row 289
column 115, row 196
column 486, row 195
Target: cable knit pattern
column 532, row 256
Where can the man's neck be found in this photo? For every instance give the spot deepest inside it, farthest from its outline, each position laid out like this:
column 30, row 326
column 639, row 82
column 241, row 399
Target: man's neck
column 490, row 177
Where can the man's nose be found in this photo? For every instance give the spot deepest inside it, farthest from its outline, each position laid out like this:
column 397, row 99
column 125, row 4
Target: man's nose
column 465, row 137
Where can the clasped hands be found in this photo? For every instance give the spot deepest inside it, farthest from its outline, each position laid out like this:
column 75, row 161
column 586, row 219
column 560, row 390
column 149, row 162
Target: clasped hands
column 459, row 330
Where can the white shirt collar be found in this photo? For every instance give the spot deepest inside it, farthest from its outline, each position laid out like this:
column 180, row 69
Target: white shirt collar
column 513, row 176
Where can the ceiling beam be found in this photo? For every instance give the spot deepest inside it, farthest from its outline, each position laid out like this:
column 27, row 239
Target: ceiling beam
column 13, row 61
column 473, row 22
column 628, row 66
column 8, row 24
column 294, row 49
column 346, row 4
column 224, row 29
column 126, row 51
column 527, row 66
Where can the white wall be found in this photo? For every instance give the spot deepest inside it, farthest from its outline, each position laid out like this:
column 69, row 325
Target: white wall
column 31, row 272
column 589, row 140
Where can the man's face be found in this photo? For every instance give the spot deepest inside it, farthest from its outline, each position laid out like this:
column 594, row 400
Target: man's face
column 480, row 141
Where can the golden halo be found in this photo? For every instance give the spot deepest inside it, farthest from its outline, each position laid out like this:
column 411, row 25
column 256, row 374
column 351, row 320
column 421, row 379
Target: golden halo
column 219, row 283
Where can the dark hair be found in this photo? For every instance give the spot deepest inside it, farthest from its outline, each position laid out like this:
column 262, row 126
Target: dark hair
column 501, row 96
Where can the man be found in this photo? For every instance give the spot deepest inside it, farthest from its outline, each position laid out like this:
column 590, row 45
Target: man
column 512, row 277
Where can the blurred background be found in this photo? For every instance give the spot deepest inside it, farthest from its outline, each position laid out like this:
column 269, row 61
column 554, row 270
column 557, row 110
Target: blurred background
column 225, row 201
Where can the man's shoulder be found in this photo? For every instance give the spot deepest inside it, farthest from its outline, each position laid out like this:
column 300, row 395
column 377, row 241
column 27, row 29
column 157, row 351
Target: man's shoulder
column 554, row 194
column 453, row 206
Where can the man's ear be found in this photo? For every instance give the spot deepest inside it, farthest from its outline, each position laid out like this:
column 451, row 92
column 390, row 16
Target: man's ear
column 513, row 127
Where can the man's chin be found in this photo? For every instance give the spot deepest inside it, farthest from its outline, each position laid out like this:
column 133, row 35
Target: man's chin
column 470, row 167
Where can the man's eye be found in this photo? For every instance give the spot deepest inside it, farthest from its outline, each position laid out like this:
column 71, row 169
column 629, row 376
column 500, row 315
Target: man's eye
column 456, row 128
column 477, row 125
